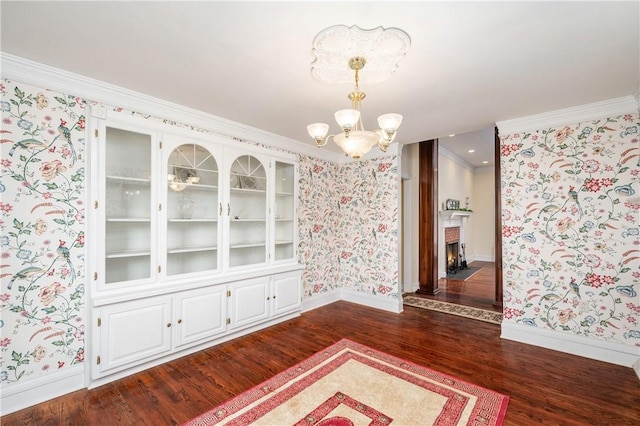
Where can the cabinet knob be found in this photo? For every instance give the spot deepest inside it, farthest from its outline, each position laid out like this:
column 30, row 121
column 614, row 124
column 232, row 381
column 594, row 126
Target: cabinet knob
column 268, row 298
column 180, row 321
column 168, row 325
column 274, row 296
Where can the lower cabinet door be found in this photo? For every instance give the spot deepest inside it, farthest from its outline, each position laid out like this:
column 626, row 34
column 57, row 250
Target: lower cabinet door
column 200, row 314
column 132, row 333
column 248, row 302
column 287, row 293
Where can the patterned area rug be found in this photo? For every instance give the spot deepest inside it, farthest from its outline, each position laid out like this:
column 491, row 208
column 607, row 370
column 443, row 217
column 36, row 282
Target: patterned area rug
column 451, row 308
column 350, row 384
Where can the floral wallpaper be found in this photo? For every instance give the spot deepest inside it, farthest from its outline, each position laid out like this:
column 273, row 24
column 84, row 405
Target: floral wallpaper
column 348, row 233
column 317, row 224
column 41, row 231
column 571, row 230
column 348, row 226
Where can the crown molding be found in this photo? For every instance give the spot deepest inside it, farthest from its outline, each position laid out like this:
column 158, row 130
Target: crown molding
column 561, row 117
column 37, row 74
column 451, row 156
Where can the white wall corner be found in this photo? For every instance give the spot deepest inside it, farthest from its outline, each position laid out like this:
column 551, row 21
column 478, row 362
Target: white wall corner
column 30, row 392
column 636, row 367
column 411, row 286
column 597, row 110
column 614, row 353
column 451, row 156
column 482, row 258
column 384, row 303
column 319, row 300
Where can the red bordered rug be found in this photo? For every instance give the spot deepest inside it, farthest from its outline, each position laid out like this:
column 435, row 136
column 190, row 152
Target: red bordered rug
column 351, row 384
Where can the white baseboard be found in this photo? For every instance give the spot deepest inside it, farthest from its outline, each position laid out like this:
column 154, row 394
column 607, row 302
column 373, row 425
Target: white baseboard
column 26, row 393
column 411, row 287
column 614, row 353
column 317, row 301
column 636, row 367
column 484, row 258
column 378, row 302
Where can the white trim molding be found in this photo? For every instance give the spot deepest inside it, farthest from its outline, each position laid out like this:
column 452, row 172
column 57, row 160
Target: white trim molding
column 320, row 300
column 614, row 353
column 384, row 303
column 451, row 156
column 578, row 114
column 26, row 393
column 41, row 75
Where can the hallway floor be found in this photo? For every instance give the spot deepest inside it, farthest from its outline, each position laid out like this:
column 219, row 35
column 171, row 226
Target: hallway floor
column 477, row 291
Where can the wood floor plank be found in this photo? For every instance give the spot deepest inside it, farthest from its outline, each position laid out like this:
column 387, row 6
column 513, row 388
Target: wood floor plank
column 544, row 386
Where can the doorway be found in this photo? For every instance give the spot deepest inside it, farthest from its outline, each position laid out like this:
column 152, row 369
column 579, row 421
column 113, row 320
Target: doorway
column 484, row 288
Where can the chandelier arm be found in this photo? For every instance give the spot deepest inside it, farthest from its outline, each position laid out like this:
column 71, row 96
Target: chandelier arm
column 322, row 142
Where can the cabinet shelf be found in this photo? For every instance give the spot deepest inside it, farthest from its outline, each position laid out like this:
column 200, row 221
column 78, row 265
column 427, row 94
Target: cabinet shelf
column 129, row 180
column 283, row 220
column 194, row 186
column 196, row 220
column 284, row 194
column 129, row 253
column 247, row 245
column 283, row 242
column 191, row 249
column 128, row 219
column 248, row 190
column 248, row 220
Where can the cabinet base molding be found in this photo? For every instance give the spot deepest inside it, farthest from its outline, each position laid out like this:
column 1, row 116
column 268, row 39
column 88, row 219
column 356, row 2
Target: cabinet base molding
column 30, row 392
column 614, row 353
column 124, row 373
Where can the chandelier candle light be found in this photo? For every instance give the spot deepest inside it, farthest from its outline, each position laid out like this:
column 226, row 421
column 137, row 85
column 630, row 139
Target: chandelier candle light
column 386, row 47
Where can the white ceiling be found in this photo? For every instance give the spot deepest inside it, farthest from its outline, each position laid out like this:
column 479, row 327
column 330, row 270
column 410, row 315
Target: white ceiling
column 470, row 64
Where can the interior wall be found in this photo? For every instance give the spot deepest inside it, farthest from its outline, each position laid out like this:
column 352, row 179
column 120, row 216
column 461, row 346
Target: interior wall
column 571, row 232
column 42, row 226
column 411, row 214
column 483, row 219
column 349, row 226
column 455, row 181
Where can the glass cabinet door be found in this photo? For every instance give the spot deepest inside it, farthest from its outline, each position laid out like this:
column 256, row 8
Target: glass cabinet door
column 128, row 200
column 192, row 210
column 284, row 211
column 247, row 212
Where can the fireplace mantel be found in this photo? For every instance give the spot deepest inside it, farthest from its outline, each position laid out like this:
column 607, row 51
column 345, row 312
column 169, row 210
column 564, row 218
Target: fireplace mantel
column 450, row 214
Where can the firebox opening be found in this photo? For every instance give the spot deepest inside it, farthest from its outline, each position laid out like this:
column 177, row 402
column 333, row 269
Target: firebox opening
column 452, row 257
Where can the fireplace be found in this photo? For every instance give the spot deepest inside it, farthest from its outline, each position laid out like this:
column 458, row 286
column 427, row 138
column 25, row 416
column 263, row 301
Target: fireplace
column 452, row 256
column 454, row 250
column 452, row 230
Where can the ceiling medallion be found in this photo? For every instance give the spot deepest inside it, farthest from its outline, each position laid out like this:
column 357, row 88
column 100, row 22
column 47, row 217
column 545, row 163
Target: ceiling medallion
column 333, row 47
column 339, row 49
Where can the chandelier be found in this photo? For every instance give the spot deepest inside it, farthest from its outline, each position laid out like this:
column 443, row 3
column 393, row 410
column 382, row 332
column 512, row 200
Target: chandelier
column 385, row 48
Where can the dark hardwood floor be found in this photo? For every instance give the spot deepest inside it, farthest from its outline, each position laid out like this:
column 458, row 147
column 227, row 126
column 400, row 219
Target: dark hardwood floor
column 544, row 386
column 477, row 291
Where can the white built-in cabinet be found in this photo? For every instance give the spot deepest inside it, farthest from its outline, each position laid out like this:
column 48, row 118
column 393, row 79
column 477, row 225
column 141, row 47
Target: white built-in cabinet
column 192, row 241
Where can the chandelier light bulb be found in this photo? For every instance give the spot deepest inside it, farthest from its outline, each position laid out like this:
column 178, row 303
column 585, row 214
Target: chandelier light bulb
column 390, row 122
column 347, row 118
column 318, row 130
